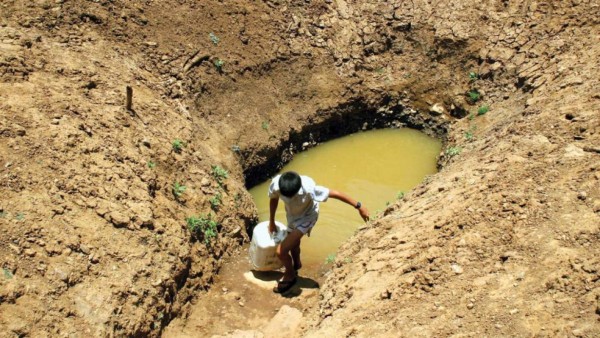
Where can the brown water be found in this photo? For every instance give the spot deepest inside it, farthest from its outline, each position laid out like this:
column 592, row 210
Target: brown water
column 372, row 167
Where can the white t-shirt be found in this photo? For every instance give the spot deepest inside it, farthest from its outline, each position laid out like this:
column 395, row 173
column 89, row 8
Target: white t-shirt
column 304, row 206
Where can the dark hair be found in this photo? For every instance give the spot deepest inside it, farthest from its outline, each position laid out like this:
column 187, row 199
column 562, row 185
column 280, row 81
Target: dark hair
column 289, row 183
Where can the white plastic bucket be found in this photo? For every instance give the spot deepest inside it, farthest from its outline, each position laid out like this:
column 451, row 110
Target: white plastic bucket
column 263, row 256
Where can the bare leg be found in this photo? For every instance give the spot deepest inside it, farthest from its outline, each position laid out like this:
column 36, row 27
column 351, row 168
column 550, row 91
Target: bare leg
column 296, row 256
column 283, row 252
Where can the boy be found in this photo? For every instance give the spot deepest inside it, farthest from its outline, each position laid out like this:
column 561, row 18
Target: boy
column 301, row 197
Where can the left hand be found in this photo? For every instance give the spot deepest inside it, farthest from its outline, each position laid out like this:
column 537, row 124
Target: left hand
column 364, row 213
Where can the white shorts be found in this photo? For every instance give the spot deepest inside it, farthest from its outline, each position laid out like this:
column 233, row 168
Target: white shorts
column 304, row 225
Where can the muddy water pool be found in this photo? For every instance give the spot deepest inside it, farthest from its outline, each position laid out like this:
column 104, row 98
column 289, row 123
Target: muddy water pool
column 372, row 167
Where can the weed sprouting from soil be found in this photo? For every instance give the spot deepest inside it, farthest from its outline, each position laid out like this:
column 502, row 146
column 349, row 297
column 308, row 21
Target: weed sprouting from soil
column 453, row 151
column 151, row 164
column 473, row 76
column 178, row 189
column 265, row 125
column 469, row 133
column 400, row 195
column 330, row 258
column 474, row 95
column 20, row 216
column 202, row 227
column 216, row 201
column 213, row 38
column 482, row 110
column 7, row 273
column 178, row 145
column 219, row 174
column 219, row 65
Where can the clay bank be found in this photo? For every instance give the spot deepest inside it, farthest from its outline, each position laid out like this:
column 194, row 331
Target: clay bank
column 117, row 222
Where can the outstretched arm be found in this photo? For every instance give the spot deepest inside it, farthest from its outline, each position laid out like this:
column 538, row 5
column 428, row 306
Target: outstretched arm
column 338, row 195
column 272, row 208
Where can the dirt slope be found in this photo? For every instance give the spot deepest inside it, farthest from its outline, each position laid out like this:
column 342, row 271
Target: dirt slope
column 503, row 241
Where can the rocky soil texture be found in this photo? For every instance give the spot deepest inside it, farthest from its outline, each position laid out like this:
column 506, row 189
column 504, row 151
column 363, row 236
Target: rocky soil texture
column 97, row 200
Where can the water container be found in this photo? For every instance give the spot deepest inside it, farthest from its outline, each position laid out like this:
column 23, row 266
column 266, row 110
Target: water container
column 262, row 248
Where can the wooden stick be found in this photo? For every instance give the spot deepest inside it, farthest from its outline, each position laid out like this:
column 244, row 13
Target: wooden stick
column 129, row 98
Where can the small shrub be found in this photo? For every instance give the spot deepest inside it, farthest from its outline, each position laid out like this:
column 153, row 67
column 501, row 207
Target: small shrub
column 215, row 201
column 177, row 145
column 469, row 135
column 7, row 273
column 330, row 258
column 265, row 125
column 453, row 151
column 178, row 189
column 151, row 164
column 473, row 76
column 482, row 110
column 219, row 174
column 400, row 195
column 474, row 95
column 219, row 65
column 202, row 227
column 471, row 117
column 215, row 40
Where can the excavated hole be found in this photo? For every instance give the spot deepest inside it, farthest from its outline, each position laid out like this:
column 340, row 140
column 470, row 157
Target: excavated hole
column 263, row 162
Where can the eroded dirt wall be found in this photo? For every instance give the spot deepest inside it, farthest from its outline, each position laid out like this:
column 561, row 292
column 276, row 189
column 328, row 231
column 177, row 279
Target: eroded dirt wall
column 94, row 240
column 504, row 240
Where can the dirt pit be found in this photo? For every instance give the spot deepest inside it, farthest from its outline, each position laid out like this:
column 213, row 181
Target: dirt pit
column 502, row 241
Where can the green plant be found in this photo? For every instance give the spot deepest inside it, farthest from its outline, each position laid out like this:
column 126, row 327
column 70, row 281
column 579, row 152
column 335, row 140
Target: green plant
column 151, row 164
column 265, row 125
column 219, row 65
column 7, row 273
column 474, row 95
column 348, row 260
column 482, row 110
column 473, row 76
column 178, row 189
column 400, row 195
column 469, row 135
column 203, row 227
column 380, row 70
column 215, row 201
column 3, row 214
column 20, row 216
column 219, row 174
column 215, row 40
column 471, row 117
column 453, row 151
column 330, row 258
column 177, row 145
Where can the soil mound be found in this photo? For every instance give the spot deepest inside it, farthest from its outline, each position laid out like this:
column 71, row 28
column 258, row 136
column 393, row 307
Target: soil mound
column 113, row 219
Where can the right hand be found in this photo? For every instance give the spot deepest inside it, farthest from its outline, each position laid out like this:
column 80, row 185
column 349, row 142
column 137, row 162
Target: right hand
column 272, row 227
